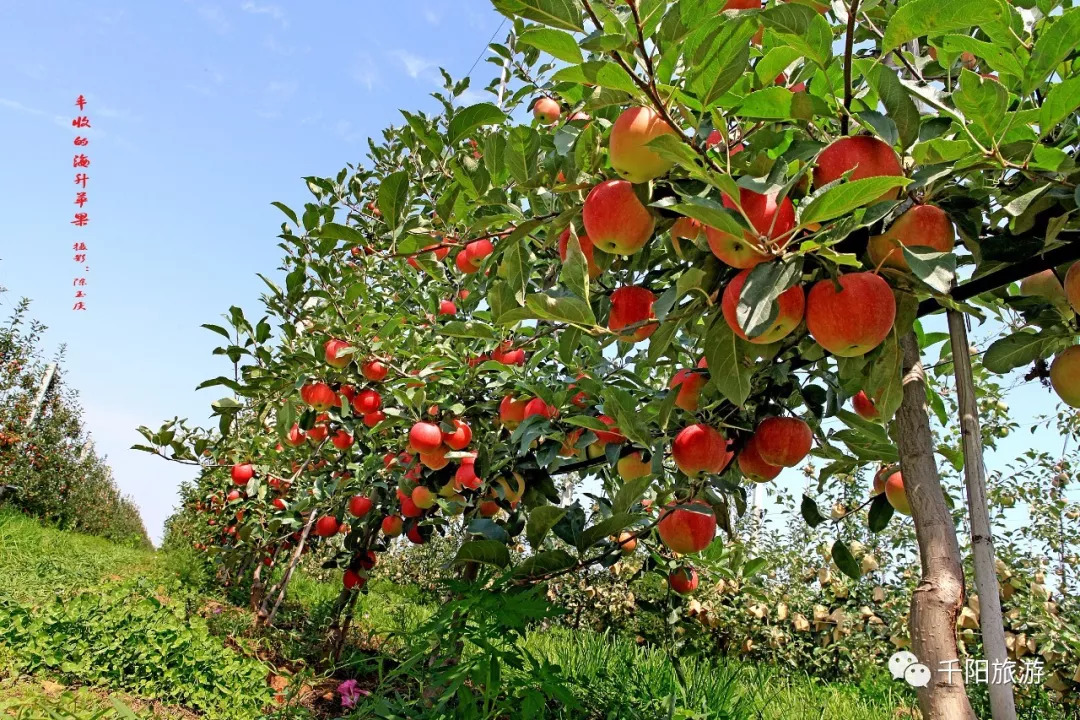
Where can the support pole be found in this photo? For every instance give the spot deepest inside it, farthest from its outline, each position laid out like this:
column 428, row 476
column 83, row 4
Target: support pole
column 1002, row 702
column 40, row 398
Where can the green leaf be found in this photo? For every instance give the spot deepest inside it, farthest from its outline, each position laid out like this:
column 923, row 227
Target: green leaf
column 716, row 54
column 844, row 560
column 426, row 135
column 885, row 382
column 1055, row 43
column 630, row 493
column 897, row 101
column 541, row 520
column 727, row 356
column 565, row 309
column 575, row 269
column 933, row 17
column 936, row 269
column 515, row 267
column 880, row 513
column 772, row 103
column 393, row 193
column 565, row 14
column 1061, row 102
column 622, row 406
column 288, row 212
column 940, row 150
column 756, row 308
column 845, row 197
column 556, row 43
column 487, row 552
column 598, row 72
column 982, row 100
column 522, row 146
column 545, row 563
column 1019, row 349
column 609, row 526
column 710, row 213
column 218, row 329
column 803, row 28
column 468, row 329
column 1001, row 59
column 468, row 119
column 810, row 512
column 334, row 231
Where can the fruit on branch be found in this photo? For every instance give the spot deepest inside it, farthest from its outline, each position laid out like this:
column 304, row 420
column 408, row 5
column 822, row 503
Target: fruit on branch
column 465, row 478
column 338, row 353
column 546, row 110
column 326, row 526
column 447, row 307
column 352, row 580
column 612, row 436
column 631, row 305
column 319, row 396
column 867, row 156
column 687, row 527
column 422, row 497
column 879, row 479
column 511, row 411
column 767, row 219
column 425, row 437
column 436, row 459
column 686, row 228
column 488, row 508
column 477, row 250
column 415, row 536
column 368, row 560
column 1046, row 285
column 319, row 431
column 359, row 505
column 342, row 440
column 783, row 441
column 391, row 526
column 853, row 320
column 233, row 496
column 628, row 147
column 537, row 406
column 409, row 509
column 864, row 406
column 753, row 465
column 503, row 488
column 460, row 437
column 627, row 543
column 461, row 260
column 791, row 304
column 569, row 445
column 683, row 580
column 741, row 5
column 1072, row 286
column 689, row 384
column 507, row 355
column 241, row 473
column 367, row 401
column 700, row 449
column 967, row 59
column 615, row 220
column 279, row 503
column 374, row 370
column 586, row 250
column 895, row 493
column 374, row 418
column 922, row 225
column 632, row 467
column 1065, row 376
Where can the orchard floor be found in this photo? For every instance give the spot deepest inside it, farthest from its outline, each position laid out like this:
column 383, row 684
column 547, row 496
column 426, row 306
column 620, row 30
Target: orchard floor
column 90, row 630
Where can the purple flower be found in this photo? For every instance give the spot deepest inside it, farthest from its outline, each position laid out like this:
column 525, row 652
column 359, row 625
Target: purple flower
column 350, row 693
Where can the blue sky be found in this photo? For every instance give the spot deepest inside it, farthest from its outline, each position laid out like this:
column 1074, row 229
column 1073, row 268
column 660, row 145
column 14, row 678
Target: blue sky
column 202, row 113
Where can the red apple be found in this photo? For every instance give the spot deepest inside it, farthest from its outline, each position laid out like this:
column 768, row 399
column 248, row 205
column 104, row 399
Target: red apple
column 586, row 250
column 332, row 348
column 632, row 467
column 627, row 543
column 374, row 370
column 700, row 449
column 425, row 437
column 241, row 473
column 465, row 478
column 460, row 438
column 864, row 406
column 342, row 440
column 615, row 220
column 790, row 308
column 686, row 228
column 422, row 497
column 686, row 530
column 768, row 220
column 319, row 396
column 853, row 320
column 922, row 225
column 352, row 580
column 368, row 560
column 374, row 418
column 233, row 496
column 461, row 260
column 1065, row 376
column 546, row 110
column 684, row 580
column 367, row 401
column 436, row 459
column 879, row 479
column 410, row 509
column 783, row 441
column 391, row 526
column 612, row 436
column 415, row 536
column 631, row 305
column 447, row 307
column 326, row 526
column 359, row 505
column 628, row 147
column 689, row 384
column 511, row 411
column 477, row 250
column 279, row 503
column 1046, row 285
column 537, row 406
column 488, row 508
column 867, row 156
column 896, row 494
column 753, row 466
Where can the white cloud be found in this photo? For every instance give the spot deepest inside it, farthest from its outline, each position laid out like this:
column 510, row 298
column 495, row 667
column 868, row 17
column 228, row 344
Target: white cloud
column 365, row 71
column 415, row 65
column 58, row 120
column 272, row 10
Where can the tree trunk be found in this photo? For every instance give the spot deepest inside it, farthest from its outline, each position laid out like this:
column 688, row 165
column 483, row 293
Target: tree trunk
column 940, row 593
column 283, row 584
column 1002, row 703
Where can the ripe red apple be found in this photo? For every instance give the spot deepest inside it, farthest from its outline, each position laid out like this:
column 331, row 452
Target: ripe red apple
column 628, row 147
column 332, row 348
column 631, row 305
column 367, row 401
column 511, row 411
column 460, row 438
column 586, row 250
column 769, row 220
column 687, row 531
column 342, row 440
column 879, row 479
column 352, row 580
column 615, row 220
column 507, row 355
column 415, row 536
column 686, row 228
column 374, row 418
column 864, row 406
column 391, row 526
column 684, row 580
column 241, row 473
column 1065, row 375
column 922, row 225
column 867, row 156
column 546, row 110
column 853, row 320
column 1046, row 285
column 461, row 260
column 741, row 5
column 783, row 441
column 359, row 505
column 436, row 459
column 374, row 370
column 477, row 250
column 700, row 449
column 425, row 437
column 632, row 467
column 627, row 543
column 326, row 526
column 689, row 384
column 447, row 307
column 319, row 431
column 791, row 306
column 368, row 560
column 279, row 503
column 1072, row 286
column 319, row 396
column 896, row 494
column 609, row 436
column 714, row 138
column 410, row 509
column 488, row 508
column 537, row 406
column 233, row 496
column 465, row 478
column 422, row 497
column 753, row 466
